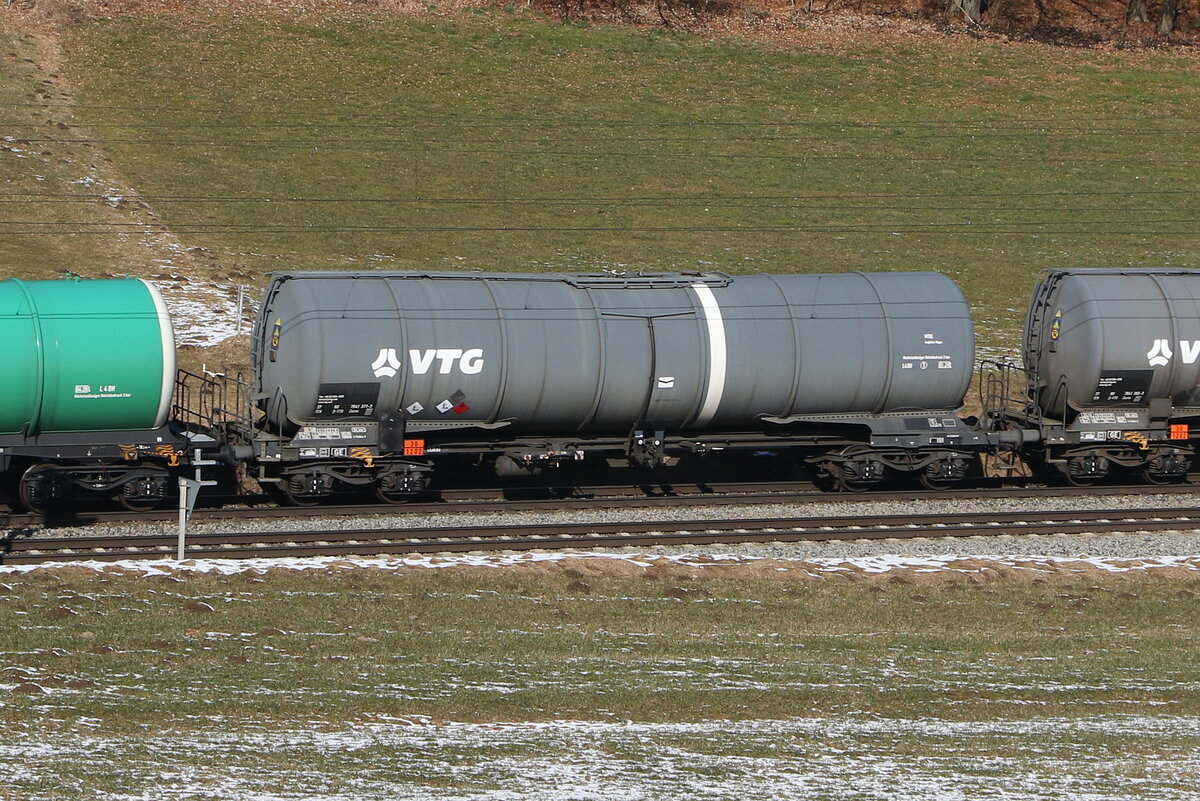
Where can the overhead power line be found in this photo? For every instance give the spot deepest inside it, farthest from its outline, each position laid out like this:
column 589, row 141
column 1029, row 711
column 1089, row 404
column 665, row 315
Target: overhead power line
column 764, row 203
column 841, row 132
column 383, row 146
column 462, row 120
column 99, row 196
column 1024, row 228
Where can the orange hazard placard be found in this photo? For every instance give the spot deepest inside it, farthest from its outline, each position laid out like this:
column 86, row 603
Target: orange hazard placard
column 1179, row 431
column 414, row 447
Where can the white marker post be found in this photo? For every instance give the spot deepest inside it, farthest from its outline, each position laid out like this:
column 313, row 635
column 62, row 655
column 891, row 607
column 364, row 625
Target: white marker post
column 241, row 305
column 189, row 490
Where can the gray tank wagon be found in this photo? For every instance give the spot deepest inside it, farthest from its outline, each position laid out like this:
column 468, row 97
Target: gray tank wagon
column 1111, row 377
column 372, row 378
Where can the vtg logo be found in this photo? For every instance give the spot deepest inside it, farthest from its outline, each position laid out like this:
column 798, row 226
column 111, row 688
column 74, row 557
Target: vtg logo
column 468, row 361
column 1160, row 352
column 387, row 364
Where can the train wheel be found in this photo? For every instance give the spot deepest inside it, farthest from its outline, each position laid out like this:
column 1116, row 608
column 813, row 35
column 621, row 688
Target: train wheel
column 392, row 496
column 946, row 473
column 1160, row 471
column 1151, row 477
column 1081, row 480
column 135, row 504
column 37, row 489
column 296, row 498
column 305, row 489
column 849, row 475
column 1086, row 470
column 848, row 481
column 141, row 494
column 935, row 482
column 399, row 486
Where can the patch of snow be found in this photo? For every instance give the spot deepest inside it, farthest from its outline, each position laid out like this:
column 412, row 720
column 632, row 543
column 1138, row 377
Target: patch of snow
column 16, row 151
column 204, row 313
column 407, row 756
column 966, row 565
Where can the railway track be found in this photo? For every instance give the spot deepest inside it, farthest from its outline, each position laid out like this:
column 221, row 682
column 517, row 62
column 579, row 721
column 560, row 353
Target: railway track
column 497, row 500
column 26, row 550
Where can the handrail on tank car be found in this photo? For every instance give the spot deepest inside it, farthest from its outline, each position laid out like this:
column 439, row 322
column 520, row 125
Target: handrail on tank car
column 996, row 399
column 208, row 402
column 648, row 280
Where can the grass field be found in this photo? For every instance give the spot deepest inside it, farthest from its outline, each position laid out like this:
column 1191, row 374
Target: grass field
column 455, row 680
column 493, row 140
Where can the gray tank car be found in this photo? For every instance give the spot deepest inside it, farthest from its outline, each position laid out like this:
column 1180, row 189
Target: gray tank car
column 373, row 377
column 1111, row 373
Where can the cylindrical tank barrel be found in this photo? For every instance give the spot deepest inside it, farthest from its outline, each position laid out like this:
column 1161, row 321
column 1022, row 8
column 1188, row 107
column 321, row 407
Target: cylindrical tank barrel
column 600, row 353
column 94, row 355
column 1115, row 338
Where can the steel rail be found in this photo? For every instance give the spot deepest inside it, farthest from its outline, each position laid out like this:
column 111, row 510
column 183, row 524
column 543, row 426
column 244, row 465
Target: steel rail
column 483, row 501
column 25, row 550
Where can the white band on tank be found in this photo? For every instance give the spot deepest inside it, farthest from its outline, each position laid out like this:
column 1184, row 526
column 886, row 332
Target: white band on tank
column 167, row 333
column 716, row 354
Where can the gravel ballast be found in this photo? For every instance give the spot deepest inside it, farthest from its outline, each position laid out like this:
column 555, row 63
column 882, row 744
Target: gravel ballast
column 1130, row 545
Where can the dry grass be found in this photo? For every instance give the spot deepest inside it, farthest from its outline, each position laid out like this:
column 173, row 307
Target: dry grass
column 340, row 683
column 1099, row 24
column 657, row 647
column 861, row 88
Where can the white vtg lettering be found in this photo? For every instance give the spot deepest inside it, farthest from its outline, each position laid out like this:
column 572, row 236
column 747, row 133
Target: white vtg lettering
column 1160, row 352
column 469, row 361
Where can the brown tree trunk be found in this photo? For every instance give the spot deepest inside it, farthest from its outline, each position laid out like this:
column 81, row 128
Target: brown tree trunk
column 1136, row 11
column 1166, row 23
column 969, row 8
